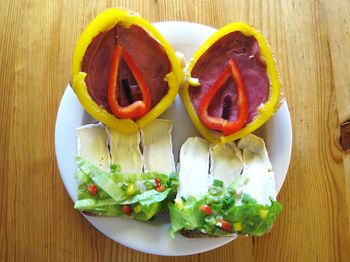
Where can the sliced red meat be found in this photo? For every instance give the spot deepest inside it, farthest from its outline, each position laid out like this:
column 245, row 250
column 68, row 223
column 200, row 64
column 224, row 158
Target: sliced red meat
column 245, row 51
column 148, row 54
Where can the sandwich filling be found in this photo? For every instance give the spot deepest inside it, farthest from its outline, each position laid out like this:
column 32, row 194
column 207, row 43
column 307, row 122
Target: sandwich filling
column 224, row 189
column 117, row 179
column 244, row 50
column 148, row 56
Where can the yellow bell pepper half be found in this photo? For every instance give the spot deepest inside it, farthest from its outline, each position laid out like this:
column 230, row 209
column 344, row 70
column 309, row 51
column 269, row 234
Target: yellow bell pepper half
column 104, row 22
column 265, row 111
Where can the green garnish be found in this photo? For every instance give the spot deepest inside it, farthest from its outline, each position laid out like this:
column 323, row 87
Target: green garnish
column 115, row 189
column 114, row 168
column 218, row 183
column 229, row 216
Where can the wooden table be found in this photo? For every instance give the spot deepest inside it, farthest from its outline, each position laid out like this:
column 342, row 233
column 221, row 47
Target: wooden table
column 310, row 41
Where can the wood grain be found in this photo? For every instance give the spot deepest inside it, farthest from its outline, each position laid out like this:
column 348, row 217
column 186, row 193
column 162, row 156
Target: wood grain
column 310, row 41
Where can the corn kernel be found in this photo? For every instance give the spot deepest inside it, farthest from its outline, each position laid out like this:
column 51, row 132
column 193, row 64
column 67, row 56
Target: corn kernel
column 131, row 189
column 263, row 213
column 137, row 209
column 179, row 203
column 238, row 226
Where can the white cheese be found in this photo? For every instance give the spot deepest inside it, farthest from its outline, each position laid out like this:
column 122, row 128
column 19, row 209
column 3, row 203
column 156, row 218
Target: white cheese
column 226, row 162
column 125, row 151
column 157, row 147
column 257, row 167
column 180, row 58
column 194, row 167
column 92, row 145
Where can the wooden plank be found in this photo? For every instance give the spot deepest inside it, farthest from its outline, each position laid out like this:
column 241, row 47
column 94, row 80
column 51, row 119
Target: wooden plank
column 338, row 31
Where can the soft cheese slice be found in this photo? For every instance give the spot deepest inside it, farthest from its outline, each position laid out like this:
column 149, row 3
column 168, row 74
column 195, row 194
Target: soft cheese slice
column 257, row 167
column 93, row 145
column 157, row 147
column 125, row 151
column 194, row 167
column 226, row 162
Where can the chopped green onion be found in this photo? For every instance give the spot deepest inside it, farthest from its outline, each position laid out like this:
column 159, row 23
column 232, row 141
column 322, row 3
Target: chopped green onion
column 214, row 191
column 216, row 199
column 227, row 196
column 210, row 220
column 218, row 183
column 210, row 199
column 231, row 190
column 102, row 194
column 125, row 186
column 218, row 218
column 115, row 168
column 149, row 185
column 246, row 198
column 217, row 208
column 228, row 201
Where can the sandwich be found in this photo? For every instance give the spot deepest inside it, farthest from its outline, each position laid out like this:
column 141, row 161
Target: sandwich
column 224, row 189
column 116, row 178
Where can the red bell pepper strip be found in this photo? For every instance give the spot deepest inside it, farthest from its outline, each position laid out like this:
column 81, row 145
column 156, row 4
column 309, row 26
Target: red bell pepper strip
column 219, row 123
column 137, row 108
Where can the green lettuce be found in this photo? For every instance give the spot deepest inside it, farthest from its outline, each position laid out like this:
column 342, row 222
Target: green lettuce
column 189, row 217
column 242, row 212
column 111, row 191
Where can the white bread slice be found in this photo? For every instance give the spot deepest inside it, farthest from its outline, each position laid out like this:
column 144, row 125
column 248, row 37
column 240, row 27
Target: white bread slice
column 93, row 145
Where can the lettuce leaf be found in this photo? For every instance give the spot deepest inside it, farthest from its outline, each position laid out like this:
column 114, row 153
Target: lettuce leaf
column 111, row 196
column 252, row 218
column 245, row 215
column 101, row 179
column 187, row 218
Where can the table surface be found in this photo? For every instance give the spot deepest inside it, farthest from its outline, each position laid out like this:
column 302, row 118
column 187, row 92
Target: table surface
column 311, row 43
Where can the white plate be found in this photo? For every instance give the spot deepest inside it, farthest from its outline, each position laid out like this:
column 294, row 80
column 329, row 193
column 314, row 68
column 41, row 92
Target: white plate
column 152, row 237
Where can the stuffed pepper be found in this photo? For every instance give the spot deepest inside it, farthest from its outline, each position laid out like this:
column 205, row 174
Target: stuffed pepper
column 232, row 85
column 124, row 72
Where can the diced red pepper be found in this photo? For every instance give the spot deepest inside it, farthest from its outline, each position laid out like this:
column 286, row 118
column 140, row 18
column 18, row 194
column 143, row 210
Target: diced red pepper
column 219, row 123
column 126, row 210
column 206, row 210
column 137, row 108
column 92, row 189
column 160, row 188
column 157, row 180
column 226, row 226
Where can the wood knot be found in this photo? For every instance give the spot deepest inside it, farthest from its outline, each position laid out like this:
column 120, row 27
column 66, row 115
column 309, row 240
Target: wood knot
column 342, row 136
